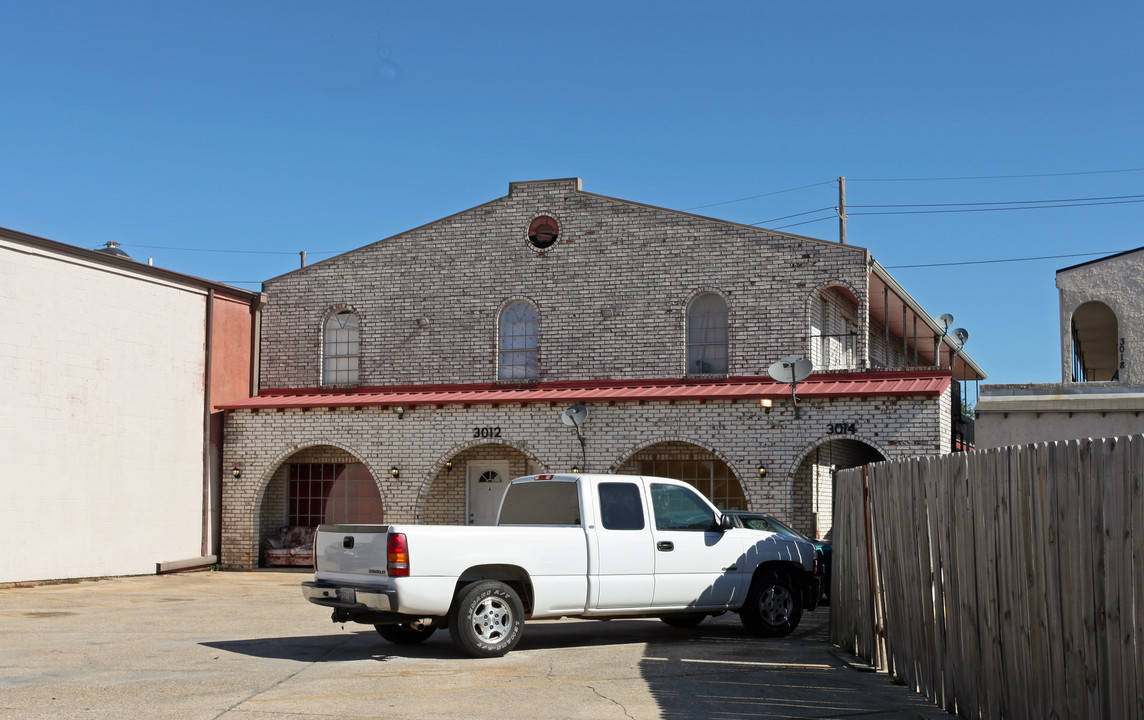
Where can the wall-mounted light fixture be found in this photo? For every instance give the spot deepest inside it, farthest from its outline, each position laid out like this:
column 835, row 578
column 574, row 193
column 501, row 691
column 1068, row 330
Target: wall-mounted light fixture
column 766, row 404
column 236, row 473
column 448, row 466
column 575, row 468
column 399, row 411
column 762, row 471
column 395, row 472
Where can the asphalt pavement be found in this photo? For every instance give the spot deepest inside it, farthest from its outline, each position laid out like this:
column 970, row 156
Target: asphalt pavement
column 214, row 645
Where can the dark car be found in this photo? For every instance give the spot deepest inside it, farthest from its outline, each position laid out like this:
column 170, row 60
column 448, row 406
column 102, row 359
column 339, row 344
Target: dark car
column 823, row 548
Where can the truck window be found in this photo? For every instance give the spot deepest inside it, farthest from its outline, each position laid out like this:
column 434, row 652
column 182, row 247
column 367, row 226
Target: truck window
column 678, row 508
column 541, row 503
column 620, row 506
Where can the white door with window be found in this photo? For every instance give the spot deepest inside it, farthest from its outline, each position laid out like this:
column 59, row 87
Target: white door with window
column 487, row 480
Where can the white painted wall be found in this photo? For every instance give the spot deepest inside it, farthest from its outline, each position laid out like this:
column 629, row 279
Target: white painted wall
column 101, row 417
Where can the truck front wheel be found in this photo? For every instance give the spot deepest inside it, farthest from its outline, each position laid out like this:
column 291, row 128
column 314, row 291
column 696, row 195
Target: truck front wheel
column 773, row 607
column 405, row 634
column 486, row 619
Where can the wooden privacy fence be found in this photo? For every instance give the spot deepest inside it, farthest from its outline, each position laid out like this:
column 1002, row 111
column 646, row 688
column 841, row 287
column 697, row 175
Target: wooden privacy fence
column 1004, row 583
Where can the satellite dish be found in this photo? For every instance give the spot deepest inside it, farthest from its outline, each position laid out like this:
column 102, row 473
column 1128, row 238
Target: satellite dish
column 945, row 320
column 574, row 416
column 790, row 370
column 960, row 335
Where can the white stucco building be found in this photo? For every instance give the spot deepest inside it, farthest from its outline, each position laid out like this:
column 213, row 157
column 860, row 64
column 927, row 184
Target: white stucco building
column 1101, row 393
column 111, row 369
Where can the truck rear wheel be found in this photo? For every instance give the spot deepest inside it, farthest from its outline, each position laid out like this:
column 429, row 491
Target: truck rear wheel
column 773, row 607
column 486, row 619
column 405, row 634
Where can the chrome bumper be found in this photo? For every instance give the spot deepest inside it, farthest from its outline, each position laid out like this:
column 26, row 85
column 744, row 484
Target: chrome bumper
column 367, row 598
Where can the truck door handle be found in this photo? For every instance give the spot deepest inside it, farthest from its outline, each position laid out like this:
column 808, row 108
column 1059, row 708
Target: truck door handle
column 665, row 545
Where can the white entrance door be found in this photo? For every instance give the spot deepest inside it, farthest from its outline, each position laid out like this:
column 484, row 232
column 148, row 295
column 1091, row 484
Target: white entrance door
column 486, row 483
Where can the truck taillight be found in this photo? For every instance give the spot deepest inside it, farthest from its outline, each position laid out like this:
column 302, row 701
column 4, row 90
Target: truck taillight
column 397, row 550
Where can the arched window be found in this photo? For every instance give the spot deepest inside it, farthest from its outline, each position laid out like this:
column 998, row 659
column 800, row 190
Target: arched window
column 518, row 343
column 340, row 349
column 834, row 329
column 1094, row 343
column 707, row 335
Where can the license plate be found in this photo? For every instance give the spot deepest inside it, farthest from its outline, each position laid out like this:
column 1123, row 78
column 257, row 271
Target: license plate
column 347, row 595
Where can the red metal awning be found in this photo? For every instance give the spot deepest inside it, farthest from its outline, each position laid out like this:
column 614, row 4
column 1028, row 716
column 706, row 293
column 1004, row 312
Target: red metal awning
column 829, row 385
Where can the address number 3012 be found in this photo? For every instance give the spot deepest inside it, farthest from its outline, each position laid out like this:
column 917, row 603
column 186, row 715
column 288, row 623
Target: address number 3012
column 841, row 428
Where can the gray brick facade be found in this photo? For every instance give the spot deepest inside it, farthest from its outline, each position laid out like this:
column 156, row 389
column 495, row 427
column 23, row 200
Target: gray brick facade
column 611, row 297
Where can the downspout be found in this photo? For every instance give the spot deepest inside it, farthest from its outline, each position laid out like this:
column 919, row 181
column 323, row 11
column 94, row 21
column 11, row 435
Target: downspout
column 256, row 344
column 206, row 525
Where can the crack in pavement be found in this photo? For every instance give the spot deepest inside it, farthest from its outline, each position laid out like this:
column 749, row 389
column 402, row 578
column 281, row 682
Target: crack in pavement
column 617, row 703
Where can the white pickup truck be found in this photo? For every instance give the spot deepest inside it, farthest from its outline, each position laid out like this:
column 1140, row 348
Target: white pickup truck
column 591, row 546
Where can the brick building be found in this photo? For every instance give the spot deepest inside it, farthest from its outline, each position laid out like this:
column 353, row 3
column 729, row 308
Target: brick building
column 408, row 379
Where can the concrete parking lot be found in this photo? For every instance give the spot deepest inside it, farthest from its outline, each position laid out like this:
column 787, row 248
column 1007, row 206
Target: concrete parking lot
column 246, row 645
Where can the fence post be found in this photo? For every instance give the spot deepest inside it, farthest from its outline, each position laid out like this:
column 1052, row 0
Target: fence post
column 878, row 658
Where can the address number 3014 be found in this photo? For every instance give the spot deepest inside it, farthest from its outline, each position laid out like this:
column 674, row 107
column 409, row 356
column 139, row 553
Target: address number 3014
column 841, row 428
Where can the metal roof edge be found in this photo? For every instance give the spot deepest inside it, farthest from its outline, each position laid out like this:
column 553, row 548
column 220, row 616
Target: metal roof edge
column 752, row 387
column 124, row 263
column 885, row 276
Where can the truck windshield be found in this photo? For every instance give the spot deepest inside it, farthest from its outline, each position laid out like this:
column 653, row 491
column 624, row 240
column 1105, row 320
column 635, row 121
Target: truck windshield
column 541, row 503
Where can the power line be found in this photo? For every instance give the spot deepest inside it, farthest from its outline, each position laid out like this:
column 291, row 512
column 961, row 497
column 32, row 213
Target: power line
column 753, row 197
column 804, row 222
column 996, row 177
column 997, row 209
column 1006, row 260
column 786, row 217
column 241, row 252
column 1114, row 197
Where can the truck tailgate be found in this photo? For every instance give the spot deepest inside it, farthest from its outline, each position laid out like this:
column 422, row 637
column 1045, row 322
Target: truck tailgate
column 347, row 550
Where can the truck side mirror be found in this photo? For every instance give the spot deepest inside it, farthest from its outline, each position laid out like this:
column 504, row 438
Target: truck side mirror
column 727, row 522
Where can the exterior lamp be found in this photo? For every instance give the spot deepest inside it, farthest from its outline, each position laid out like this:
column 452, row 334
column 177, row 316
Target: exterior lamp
column 448, row 466
column 395, row 472
column 575, row 468
column 236, row 473
column 766, row 405
column 399, row 411
column 762, row 471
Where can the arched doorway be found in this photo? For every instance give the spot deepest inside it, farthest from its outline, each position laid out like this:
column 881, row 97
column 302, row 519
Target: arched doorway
column 1094, row 341
column 469, row 485
column 813, row 501
column 692, row 464
column 319, row 484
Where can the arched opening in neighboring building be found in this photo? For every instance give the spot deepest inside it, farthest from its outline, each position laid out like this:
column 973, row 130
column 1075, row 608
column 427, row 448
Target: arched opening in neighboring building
column 318, row 484
column 813, row 499
column 468, row 486
column 692, row 464
column 1094, row 343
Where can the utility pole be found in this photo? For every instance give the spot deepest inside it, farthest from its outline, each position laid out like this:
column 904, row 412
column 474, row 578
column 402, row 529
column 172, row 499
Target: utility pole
column 841, row 210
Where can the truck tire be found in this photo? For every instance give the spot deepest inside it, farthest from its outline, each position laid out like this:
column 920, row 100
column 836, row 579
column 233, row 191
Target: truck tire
column 774, row 605
column 405, row 634
column 487, row 619
column 683, row 620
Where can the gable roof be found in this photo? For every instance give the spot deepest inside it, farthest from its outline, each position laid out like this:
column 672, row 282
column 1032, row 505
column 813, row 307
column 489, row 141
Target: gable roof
column 1100, row 260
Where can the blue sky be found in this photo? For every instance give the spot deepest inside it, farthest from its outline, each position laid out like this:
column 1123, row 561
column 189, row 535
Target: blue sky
column 222, row 138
